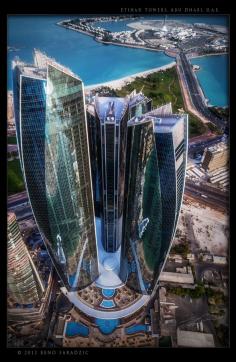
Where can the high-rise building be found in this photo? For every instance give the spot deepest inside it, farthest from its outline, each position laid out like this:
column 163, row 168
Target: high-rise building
column 111, row 118
column 105, row 187
column 215, row 157
column 107, row 122
column 24, row 283
column 155, row 174
column 53, row 143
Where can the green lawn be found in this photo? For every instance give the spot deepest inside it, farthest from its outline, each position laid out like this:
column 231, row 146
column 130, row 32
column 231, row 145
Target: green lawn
column 163, row 87
column 14, row 177
column 11, row 140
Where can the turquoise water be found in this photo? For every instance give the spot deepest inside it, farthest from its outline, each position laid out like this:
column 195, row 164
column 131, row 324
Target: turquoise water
column 76, row 329
column 107, row 303
column 136, row 328
column 108, row 293
column 107, row 326
column 213, row 78
column 92, row 61
column 97, row 63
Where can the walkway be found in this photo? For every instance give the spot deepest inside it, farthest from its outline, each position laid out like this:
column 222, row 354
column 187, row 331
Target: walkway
column 73, row 298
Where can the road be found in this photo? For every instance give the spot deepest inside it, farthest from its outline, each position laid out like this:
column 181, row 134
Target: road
column 200, row 146
column 213, row 197
column 16, row 200
column 23, row 213
column 195, row 92
column 12, row 148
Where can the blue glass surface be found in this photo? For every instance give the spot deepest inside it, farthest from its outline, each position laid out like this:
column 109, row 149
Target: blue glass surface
column 107, row 303
column 136, row 328
column 71, row 279
column 108, row 293
column 107, row 326
column 75, row 328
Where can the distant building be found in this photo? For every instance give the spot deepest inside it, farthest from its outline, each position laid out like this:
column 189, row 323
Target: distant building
column 191, row 257
column 10, row 111
column 219, row 259
column 176, row 258
column 215, row 157
column 24, row 283
column 194, row 339
column 176, row 278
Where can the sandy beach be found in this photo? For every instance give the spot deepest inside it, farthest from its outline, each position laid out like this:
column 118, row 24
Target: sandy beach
column 121, row 82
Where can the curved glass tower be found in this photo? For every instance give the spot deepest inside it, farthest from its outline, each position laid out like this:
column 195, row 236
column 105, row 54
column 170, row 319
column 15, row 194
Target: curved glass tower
column 52, row 139
column 124, row 163
column 155, row 173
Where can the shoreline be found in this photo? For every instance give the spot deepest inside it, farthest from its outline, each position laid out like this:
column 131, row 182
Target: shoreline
column 207, row 55
column 120, row 82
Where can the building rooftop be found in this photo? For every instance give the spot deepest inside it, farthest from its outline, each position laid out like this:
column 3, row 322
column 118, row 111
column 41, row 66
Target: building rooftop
column 137, row 98
column 194, row 339
column 221, row 146
column 181, row 278
column 161, row 123
column 10, row 216
column 110, row 109
column 39, row 68
column 29, row 70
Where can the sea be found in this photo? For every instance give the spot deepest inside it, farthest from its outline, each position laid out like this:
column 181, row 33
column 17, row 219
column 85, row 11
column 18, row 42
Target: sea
column 96, row 63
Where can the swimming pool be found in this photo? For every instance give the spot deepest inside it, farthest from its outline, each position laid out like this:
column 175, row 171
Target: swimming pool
column 108, row 293
column 107, row 326
column 76, row 329
column 136, row 328
column 107, row 303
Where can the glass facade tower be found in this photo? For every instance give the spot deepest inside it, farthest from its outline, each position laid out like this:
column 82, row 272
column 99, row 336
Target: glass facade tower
column 52, row 136
column 107, row 122
column 155, row 173
column 111, row 120
column 123, row 163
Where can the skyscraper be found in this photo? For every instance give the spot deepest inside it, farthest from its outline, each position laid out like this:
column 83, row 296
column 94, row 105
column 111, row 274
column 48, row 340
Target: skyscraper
column 105, row 188
column 52, row 138
column 108, row 121
column 155, row 173
column 24, row 283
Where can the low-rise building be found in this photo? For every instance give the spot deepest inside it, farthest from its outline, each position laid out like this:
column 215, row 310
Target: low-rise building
column 194, row 339
column 219, row 259
column 215, row 157
column 191, row 257
column 179, row 278
column 176, row 258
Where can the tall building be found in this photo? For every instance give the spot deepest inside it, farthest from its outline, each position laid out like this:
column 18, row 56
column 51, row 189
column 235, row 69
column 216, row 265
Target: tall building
column 53, row 146
column 24, row 283
column 215, row 157
column 155, row 174
column 105, row 187
column 107, row 122
column 111, row 118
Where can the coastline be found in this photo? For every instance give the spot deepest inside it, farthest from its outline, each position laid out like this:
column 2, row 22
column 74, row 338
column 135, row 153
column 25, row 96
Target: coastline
column 207, row 55
column 121, row 82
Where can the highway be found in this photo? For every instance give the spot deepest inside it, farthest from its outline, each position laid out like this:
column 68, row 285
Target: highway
column 195, row 91
column 17, row 200
column 12, row 148
column 201, row 145
column 215, row 198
